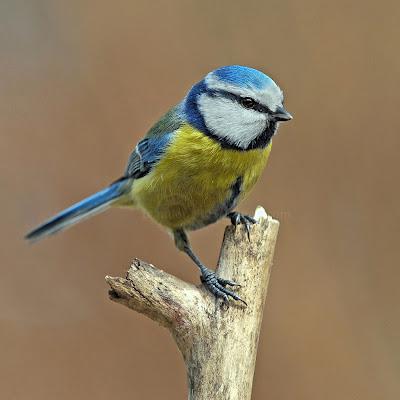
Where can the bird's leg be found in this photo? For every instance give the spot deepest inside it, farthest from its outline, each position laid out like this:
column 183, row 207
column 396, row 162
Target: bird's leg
column 217, row 286
column 238, row 218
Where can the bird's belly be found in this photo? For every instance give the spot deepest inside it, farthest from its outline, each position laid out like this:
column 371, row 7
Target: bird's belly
column 197, row 182
column 188, row 202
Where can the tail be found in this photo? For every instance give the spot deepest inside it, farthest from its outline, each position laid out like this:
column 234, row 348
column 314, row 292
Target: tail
column 86, row 208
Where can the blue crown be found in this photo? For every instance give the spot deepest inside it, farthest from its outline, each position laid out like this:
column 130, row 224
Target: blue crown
column 243, row 76
column 236, row 75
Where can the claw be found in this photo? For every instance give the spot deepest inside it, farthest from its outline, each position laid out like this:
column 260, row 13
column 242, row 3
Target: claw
column 227, row 282
column 247, row 226
column 237, row 218
column 217, row 286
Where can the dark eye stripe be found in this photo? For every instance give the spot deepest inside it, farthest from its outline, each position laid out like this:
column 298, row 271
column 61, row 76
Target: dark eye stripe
column 257, row 106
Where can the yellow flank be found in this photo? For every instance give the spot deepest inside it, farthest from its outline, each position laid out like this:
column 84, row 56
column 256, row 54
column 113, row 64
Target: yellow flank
column 194, row 176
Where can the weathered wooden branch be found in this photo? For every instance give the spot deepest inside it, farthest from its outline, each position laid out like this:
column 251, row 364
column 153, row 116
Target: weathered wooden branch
column 218, row 343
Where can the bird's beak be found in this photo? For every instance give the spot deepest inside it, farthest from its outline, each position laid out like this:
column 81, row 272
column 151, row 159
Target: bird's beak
column 281, row 114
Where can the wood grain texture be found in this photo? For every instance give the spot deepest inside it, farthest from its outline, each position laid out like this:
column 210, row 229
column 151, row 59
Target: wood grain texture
column 218, row 342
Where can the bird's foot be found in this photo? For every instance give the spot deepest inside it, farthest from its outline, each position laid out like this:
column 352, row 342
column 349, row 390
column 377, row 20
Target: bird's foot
column 217, row 286
column 238, row 218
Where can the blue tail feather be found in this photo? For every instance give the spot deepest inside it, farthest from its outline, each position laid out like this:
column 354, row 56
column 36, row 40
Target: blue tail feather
column 86, row 208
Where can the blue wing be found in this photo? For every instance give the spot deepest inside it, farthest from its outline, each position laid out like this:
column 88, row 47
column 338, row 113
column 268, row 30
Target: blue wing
column 152, row 147
column 147, row 152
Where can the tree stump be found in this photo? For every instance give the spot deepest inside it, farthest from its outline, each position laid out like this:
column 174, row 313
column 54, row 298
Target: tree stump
column 218, row 341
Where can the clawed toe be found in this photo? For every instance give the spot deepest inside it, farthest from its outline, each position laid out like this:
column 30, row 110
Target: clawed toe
column 227, row 282
column 217, row 286
column 237, row 219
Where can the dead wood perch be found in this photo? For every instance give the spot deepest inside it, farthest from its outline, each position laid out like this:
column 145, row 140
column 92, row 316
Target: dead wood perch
column 218, row 343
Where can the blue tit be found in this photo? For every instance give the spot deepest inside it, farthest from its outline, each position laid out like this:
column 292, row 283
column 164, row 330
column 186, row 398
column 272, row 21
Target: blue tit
column 196, row 163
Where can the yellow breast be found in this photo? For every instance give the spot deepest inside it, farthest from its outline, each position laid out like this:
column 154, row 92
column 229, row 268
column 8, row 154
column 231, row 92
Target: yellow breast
column 194, row 177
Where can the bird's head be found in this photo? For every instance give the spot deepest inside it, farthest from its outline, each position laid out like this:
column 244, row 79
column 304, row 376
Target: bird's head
column 239, row 106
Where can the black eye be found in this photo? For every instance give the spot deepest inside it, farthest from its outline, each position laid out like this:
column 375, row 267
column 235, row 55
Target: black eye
column 247, row 102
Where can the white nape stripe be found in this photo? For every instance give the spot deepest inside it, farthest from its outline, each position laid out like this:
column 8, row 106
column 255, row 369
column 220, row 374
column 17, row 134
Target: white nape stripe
column 271, row 96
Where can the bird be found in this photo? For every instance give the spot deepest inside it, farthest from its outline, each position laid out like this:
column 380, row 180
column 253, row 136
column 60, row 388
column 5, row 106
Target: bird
column 196, row 164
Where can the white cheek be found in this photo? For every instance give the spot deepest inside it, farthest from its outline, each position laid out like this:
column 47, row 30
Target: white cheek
column 228, row 119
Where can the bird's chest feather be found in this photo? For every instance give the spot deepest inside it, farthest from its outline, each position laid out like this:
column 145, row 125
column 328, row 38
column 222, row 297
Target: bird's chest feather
column 197, row 180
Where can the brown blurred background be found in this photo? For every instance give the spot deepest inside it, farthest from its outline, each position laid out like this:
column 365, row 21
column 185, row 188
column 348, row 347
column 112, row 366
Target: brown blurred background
column 82, row 81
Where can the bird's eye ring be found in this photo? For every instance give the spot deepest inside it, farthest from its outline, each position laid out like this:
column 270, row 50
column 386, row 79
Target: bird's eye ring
column 247, row 102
